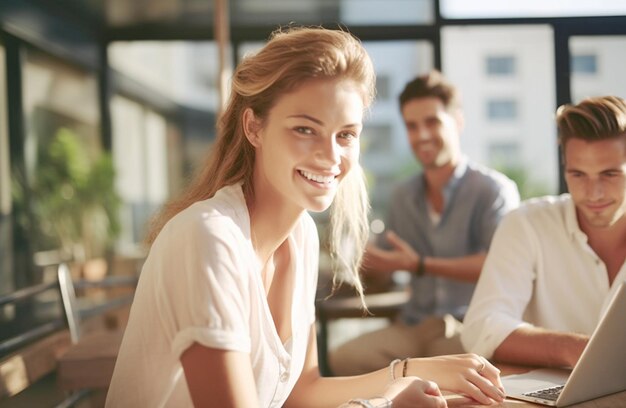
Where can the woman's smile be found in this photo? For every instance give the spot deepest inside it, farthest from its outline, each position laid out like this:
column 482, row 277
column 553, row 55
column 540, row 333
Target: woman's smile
column 319, row 180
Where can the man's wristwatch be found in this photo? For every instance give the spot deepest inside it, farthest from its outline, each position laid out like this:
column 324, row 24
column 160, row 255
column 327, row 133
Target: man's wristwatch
column 421, row 269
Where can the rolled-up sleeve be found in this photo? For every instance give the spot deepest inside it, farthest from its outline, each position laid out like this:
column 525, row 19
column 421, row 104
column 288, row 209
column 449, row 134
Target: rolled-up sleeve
column 204, row 295
column 504, row 288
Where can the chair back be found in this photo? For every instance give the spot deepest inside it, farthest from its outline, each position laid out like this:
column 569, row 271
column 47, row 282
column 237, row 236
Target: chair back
column 70, row 305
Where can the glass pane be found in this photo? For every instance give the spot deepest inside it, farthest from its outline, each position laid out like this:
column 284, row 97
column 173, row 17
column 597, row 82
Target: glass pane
column 585, row 64
column 55, row 201
column 185, row 72
column 315, row 12
column 280, row 12
column 530, row 8
column 500, row 65
column 127, row 129
column 66, row 170
column 385, row 152
column 246, row 13
column 156, row 151
column 509, row 119
column 386, row 12
column 148, row 162
column 597, row 66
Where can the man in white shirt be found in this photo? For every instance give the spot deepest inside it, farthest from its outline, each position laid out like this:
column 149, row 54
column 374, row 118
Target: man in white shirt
column 554, row 262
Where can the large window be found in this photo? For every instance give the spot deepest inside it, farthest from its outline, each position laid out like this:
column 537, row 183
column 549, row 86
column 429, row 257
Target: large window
column 49, row 186
column 385, row 151
column 163, row 128
column 530, row 8
column 509, row 119
column 147, row 156
column 597, row 66
column 183, row 72
column 386, row 12
column 315, row 12
column 52, row 192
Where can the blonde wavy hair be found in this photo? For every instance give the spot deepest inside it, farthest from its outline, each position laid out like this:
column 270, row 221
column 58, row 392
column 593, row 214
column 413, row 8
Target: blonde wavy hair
column 291, row 56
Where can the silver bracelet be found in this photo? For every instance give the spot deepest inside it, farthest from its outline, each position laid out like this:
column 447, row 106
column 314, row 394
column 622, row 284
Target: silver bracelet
column 387, row 404
column 362, row 402
column 392, row 365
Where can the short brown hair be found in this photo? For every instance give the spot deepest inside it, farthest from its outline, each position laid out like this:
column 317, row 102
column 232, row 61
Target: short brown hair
column 432, row 84
column 592, row 119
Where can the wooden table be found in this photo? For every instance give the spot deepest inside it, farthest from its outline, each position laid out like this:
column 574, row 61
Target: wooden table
column 387, row 305
column 610, row 401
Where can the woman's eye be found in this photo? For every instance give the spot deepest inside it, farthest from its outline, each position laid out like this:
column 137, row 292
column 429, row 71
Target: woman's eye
column 347, row 136
column 304, row 130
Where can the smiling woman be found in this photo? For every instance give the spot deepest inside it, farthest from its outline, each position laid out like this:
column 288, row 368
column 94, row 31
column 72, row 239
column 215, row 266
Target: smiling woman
column 307, row 145
column 224, row 312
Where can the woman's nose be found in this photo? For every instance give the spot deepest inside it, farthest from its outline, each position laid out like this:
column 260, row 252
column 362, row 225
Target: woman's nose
column 329, row 150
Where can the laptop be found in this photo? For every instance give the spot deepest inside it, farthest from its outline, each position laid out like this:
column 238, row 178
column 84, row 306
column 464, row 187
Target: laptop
column 601, row 369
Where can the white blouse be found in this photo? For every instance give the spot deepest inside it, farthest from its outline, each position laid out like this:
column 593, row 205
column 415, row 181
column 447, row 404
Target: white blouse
column 202, row 283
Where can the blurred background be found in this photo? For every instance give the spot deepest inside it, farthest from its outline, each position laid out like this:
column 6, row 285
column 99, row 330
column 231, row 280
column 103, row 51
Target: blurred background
column 107, row 107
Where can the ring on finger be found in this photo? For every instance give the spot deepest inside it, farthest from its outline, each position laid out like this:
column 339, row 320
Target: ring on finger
column 480, row 369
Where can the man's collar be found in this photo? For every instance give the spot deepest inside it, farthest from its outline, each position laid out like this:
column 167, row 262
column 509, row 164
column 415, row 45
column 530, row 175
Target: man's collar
column 461, row 167
column 571, row 220
column 459, row 171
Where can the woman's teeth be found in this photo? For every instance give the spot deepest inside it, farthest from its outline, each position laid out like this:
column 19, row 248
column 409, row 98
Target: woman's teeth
column 316, row 177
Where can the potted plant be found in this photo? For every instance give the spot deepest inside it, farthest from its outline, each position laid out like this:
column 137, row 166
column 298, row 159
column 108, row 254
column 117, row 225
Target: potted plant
column 73, row 199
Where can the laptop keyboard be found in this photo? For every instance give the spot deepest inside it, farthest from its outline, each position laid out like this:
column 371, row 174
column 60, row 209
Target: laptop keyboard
column 550, row 394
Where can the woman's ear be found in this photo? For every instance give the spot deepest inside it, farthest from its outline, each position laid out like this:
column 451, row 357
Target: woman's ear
column 251, row 127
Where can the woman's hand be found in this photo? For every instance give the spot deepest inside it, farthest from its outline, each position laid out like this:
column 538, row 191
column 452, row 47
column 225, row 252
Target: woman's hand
column 467, row 374
column 414, row 392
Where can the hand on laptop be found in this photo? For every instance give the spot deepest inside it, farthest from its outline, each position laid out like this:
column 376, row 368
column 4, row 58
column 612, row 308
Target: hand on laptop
column 467, row 374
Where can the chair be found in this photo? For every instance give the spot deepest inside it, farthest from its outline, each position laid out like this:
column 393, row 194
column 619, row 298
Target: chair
column 88, row 363
column 385, row 305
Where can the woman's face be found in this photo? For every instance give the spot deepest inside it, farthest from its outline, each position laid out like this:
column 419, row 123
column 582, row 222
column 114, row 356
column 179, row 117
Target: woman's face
column 307, row 144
